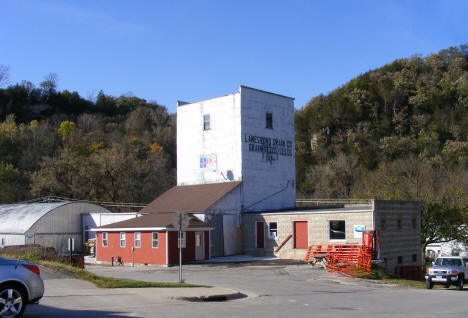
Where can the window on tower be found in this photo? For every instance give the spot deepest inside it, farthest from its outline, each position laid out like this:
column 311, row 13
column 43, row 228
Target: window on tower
column 269, row 120
column 206, row 122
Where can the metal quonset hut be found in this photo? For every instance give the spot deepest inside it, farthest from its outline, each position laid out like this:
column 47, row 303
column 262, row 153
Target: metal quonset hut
column 152, row 239
column 46, row 224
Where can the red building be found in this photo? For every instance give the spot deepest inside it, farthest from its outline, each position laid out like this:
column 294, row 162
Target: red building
column 152, row 239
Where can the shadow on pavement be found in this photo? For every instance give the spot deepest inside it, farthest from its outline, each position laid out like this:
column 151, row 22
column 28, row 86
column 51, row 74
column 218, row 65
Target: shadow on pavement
column 40, row 311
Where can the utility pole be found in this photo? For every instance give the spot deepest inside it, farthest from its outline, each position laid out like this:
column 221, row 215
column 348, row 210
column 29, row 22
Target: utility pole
column 180, row 247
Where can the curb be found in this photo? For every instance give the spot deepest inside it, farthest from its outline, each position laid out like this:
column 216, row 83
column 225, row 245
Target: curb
column 214, row 298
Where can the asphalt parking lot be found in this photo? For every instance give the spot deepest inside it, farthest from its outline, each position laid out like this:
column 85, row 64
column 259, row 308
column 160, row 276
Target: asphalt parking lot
column 275, row 289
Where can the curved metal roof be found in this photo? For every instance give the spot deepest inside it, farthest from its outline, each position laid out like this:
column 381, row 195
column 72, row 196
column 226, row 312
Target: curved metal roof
column 18, row 218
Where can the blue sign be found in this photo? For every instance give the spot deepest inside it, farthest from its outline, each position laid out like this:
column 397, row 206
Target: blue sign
column 359, row 228
column 202, row 162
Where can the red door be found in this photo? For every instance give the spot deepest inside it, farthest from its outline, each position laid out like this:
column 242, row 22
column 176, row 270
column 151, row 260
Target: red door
column 301, row 239
column 260, row 235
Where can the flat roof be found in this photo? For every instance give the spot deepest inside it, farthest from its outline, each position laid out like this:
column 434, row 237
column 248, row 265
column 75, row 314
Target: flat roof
column 183, row 103
column 318, row 210
column 266, row 92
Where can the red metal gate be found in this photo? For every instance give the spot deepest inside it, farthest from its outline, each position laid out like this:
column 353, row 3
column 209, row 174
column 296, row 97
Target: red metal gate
column 347, row 259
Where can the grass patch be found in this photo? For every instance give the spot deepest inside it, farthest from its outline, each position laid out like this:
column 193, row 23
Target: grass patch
column 109, row 282
column 380, row 274
column 97, row 280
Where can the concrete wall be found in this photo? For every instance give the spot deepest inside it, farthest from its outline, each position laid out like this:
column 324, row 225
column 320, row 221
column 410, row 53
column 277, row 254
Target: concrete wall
column 221, row 141
column 268, row 176
column 54, row 228
column 241, row 146
column 395, row 241
column 318, row 230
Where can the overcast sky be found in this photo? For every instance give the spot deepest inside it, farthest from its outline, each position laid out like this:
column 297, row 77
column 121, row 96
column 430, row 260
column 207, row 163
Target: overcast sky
column 191, row 50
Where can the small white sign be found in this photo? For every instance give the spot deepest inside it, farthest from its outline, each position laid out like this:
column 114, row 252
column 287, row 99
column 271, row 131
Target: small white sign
column 71, row 244
column 358, row 229
column 29, row 238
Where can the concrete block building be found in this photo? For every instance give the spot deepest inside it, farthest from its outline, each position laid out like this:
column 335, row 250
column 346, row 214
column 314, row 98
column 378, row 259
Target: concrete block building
column 245, row 137
column 397, row 222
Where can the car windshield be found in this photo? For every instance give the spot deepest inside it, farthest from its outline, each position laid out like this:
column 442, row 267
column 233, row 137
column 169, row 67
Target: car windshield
column 448, row 262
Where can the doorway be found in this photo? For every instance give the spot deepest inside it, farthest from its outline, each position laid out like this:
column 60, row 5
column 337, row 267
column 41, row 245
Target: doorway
column 301, row 239
column 260, row 234
column 199, row 246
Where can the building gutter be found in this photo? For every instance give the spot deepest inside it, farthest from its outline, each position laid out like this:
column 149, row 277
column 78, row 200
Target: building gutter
column 146, row 229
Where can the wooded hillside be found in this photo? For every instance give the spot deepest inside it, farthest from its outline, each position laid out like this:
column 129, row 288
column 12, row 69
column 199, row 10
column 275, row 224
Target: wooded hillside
column 57, row 143
column 398, row 132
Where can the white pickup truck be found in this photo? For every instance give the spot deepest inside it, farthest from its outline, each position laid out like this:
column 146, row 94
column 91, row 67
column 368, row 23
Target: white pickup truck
column 448, row 270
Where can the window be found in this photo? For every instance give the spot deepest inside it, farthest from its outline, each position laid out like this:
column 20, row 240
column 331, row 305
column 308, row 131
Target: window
column 206, row 122
column 104, row 239
column 137, row 239
column 414, row 258
column 400, row 260
column 273, row 226
column 337, row 230
column 155, row 240
column 383, row 222
column 122, row 239
column 399, row 223
column 3, row 241
column 456, row 252
column 197, row 240
column 448, row 262
column 184, row 240
column 269, row 120
column 413, row 222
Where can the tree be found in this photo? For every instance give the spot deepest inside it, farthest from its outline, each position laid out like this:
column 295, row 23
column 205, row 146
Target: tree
column 66, row 130
column 9, row 177
column 4, row 74
column 442, row 192
column 49, row 84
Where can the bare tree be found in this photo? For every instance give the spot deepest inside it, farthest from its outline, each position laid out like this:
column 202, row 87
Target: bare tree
column 4, row 75
column 49, row 84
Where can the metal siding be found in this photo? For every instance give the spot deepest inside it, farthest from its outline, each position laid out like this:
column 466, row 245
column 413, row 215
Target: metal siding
column 217, row 236
column 54, row 228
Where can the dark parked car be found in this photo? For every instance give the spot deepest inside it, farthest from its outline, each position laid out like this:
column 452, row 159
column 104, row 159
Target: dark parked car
column 20, row 284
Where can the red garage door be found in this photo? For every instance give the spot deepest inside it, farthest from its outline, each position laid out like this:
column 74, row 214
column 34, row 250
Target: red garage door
column 300, row 234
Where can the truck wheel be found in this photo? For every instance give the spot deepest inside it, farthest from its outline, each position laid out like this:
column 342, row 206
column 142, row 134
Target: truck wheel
column 460, row 282
column 429, row 284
